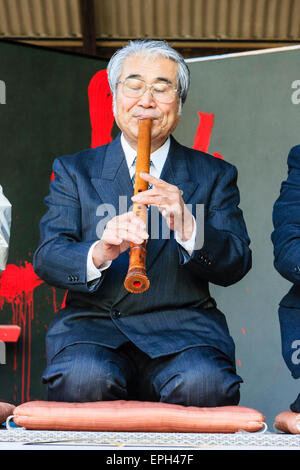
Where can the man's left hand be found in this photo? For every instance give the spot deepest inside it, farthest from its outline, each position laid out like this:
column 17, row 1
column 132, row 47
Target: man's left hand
column 168, row 199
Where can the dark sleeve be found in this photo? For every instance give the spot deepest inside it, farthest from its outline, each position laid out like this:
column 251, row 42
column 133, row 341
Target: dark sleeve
column 222, row 254
column 286, row 221
column 61, row 257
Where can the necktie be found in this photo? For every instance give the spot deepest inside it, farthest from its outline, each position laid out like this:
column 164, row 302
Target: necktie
column 133, row 177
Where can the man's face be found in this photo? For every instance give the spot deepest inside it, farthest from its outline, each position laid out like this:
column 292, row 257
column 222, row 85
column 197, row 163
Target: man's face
column 129, row 111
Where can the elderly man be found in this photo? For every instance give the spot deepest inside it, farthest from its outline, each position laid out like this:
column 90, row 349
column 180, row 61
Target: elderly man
column 5, row 223
column 169, row 343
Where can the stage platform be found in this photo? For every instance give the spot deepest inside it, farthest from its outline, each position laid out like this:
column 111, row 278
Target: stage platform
column 21, row 439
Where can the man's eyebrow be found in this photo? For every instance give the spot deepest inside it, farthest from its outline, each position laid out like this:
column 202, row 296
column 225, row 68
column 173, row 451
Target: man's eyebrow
column 133, row 75
column 163, row 79
column 157, row 79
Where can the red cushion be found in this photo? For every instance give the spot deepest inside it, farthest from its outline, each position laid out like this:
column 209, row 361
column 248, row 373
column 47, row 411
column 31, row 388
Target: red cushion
column 5, row 411
column 136, row 416
column 288, row 421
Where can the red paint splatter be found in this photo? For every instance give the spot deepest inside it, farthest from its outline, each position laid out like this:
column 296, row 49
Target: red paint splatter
column 243, row 331
column 15, row 357
column 203, row 133
column 55, row 306
column 64, row 300
column 247, row 289
column 240, row 363
column 218, row 155
column 100, row 107
column 16, row 288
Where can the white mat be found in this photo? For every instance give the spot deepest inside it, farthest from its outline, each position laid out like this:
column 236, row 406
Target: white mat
column 125, row 440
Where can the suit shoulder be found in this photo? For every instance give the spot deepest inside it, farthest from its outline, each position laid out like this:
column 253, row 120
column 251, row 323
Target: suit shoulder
column 80, row 161
column 294, row 157
column 197, row 158
column 83, row 156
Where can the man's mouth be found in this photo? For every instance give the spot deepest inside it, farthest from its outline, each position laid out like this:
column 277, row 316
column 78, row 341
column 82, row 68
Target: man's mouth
column 145, row 116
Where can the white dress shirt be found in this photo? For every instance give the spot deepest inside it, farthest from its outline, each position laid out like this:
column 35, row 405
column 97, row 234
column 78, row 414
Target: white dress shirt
column 158, row 159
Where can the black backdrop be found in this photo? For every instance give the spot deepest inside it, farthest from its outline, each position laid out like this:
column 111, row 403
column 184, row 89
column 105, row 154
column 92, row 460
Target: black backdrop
column 46, row 115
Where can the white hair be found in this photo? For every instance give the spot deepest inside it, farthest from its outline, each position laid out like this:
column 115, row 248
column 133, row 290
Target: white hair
column 152, row 48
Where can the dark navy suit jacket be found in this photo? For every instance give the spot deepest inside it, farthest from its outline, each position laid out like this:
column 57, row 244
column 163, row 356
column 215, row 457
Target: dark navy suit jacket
column 286, row 241
column 172, row 315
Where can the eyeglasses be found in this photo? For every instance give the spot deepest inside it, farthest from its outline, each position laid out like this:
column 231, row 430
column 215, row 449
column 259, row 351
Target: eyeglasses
column 161, row 91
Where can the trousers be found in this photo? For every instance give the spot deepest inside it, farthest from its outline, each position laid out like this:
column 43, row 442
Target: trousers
column 198, row 376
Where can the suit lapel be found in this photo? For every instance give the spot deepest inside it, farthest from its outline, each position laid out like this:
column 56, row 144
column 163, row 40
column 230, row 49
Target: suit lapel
column 176, row 170
column 112, row 180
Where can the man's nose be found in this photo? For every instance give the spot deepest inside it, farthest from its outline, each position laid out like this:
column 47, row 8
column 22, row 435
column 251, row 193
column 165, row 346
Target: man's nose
column 146, row 100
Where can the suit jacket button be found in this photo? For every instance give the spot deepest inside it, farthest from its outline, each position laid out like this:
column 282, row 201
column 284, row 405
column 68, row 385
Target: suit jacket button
column 116, row 314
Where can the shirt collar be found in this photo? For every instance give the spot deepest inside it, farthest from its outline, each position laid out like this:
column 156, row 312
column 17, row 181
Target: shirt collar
column 158, row 157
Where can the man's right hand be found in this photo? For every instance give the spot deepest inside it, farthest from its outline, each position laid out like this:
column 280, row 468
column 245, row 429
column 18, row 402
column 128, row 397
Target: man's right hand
column 119, row 233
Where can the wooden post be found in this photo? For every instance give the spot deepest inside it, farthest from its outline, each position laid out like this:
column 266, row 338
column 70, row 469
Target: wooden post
column 88, row 27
